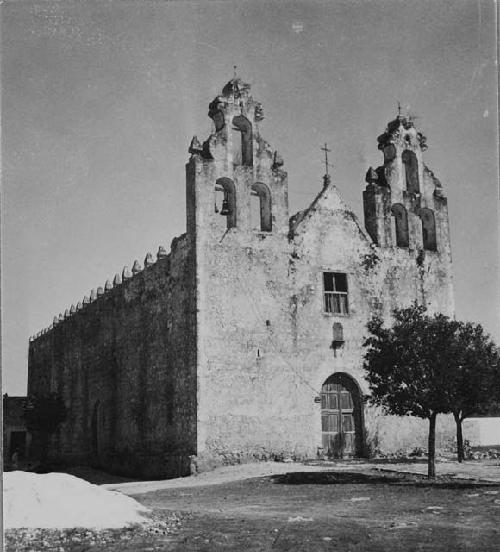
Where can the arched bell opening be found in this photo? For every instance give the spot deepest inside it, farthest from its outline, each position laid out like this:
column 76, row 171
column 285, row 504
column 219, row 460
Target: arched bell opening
column 262, row 209
column 428, row 229
column 400, row 225
column 244, row 142
column 410, row 164
column 342, row 424
column 225, row 200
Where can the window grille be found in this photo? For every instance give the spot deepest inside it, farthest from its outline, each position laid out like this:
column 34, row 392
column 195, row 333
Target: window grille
column 335, row 292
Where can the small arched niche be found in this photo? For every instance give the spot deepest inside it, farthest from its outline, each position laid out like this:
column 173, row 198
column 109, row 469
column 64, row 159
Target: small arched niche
column 261, row 210
column 401, row 224
column 244, row 126
column 411, row 171
column 428, row 229
column 225, row 200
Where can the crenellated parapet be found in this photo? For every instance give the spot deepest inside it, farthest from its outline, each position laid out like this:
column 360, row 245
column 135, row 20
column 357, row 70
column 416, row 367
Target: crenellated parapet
column 126, row 277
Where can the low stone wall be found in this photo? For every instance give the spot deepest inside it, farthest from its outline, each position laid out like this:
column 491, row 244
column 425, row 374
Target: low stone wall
column 482, row 432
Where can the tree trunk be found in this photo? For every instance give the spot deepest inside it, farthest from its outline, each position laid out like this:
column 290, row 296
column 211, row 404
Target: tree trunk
column 460, row 438
column 431, row 466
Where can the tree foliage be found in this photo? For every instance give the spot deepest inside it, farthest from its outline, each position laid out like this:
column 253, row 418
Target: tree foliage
column 405, row 364
column 426, row 365
column 474, row 383
column 474, row 386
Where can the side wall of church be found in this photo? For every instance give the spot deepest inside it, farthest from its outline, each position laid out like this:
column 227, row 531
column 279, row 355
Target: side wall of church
column 125, row 365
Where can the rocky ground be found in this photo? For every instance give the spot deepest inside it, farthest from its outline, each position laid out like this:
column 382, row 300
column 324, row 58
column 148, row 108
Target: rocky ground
column 337, row 506
column 160, row 530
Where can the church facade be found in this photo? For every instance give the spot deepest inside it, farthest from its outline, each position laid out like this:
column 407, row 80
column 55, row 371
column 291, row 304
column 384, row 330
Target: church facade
column 245, row 340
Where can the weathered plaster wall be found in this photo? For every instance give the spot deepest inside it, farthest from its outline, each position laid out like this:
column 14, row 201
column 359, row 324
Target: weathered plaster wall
column 266, row 347
column 483, row 432
column 243, row 298
column 245, row 384
column 125, row 365
column 330, row 238
column 264, row 339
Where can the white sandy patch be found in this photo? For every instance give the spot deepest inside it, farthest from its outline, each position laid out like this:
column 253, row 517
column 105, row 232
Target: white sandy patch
column 59, row 500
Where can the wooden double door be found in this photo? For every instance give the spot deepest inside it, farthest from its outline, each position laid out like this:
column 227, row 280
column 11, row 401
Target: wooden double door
column 339, row 420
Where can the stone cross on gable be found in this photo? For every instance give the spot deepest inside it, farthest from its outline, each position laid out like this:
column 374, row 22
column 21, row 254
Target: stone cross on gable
column 327, row 151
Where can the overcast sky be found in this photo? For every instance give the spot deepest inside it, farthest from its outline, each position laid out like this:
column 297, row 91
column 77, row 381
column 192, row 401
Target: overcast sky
column 101, row 99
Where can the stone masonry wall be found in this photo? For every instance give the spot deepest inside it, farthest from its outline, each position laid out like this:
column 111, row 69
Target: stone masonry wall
column 125, row 365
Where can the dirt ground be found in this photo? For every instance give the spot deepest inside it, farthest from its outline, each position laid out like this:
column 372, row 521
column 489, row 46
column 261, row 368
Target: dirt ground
column 302, row 508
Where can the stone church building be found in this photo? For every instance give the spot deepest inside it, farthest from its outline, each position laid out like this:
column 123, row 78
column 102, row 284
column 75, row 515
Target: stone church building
column 245, row 340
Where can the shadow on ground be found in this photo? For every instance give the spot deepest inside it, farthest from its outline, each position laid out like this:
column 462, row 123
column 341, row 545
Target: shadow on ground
column 343, row 461
column 358, row 478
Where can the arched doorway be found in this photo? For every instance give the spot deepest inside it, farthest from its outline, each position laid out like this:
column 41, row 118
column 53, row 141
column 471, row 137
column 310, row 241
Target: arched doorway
column 341, row 417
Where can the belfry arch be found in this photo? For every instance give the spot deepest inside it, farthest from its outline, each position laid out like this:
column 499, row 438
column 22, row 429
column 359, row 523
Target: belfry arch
column 428, row 229
column 228, row 205
column 244, row 126
column 401, row 225
column 262, row 192
column 342, row 425
column 410, row 165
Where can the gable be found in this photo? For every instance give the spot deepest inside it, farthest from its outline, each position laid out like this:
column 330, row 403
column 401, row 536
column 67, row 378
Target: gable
column 328, row 224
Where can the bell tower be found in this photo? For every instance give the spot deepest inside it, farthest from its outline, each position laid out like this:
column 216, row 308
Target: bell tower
column 237, row 228
column 235, row 181
column 404, row 204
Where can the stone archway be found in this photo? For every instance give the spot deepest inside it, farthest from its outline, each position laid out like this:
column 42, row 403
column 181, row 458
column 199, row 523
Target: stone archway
column 342, row 417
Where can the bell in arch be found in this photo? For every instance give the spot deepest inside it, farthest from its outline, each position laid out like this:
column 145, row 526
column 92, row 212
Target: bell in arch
column 225, row 207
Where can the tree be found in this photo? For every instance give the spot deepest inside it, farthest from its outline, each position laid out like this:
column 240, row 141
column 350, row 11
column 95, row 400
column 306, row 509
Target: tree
column 406, row 367
column 425, row 365
column 43, row 414
column 474, row 383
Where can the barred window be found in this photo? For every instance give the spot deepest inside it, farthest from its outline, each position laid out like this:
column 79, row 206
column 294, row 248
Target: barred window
column 335, row 292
